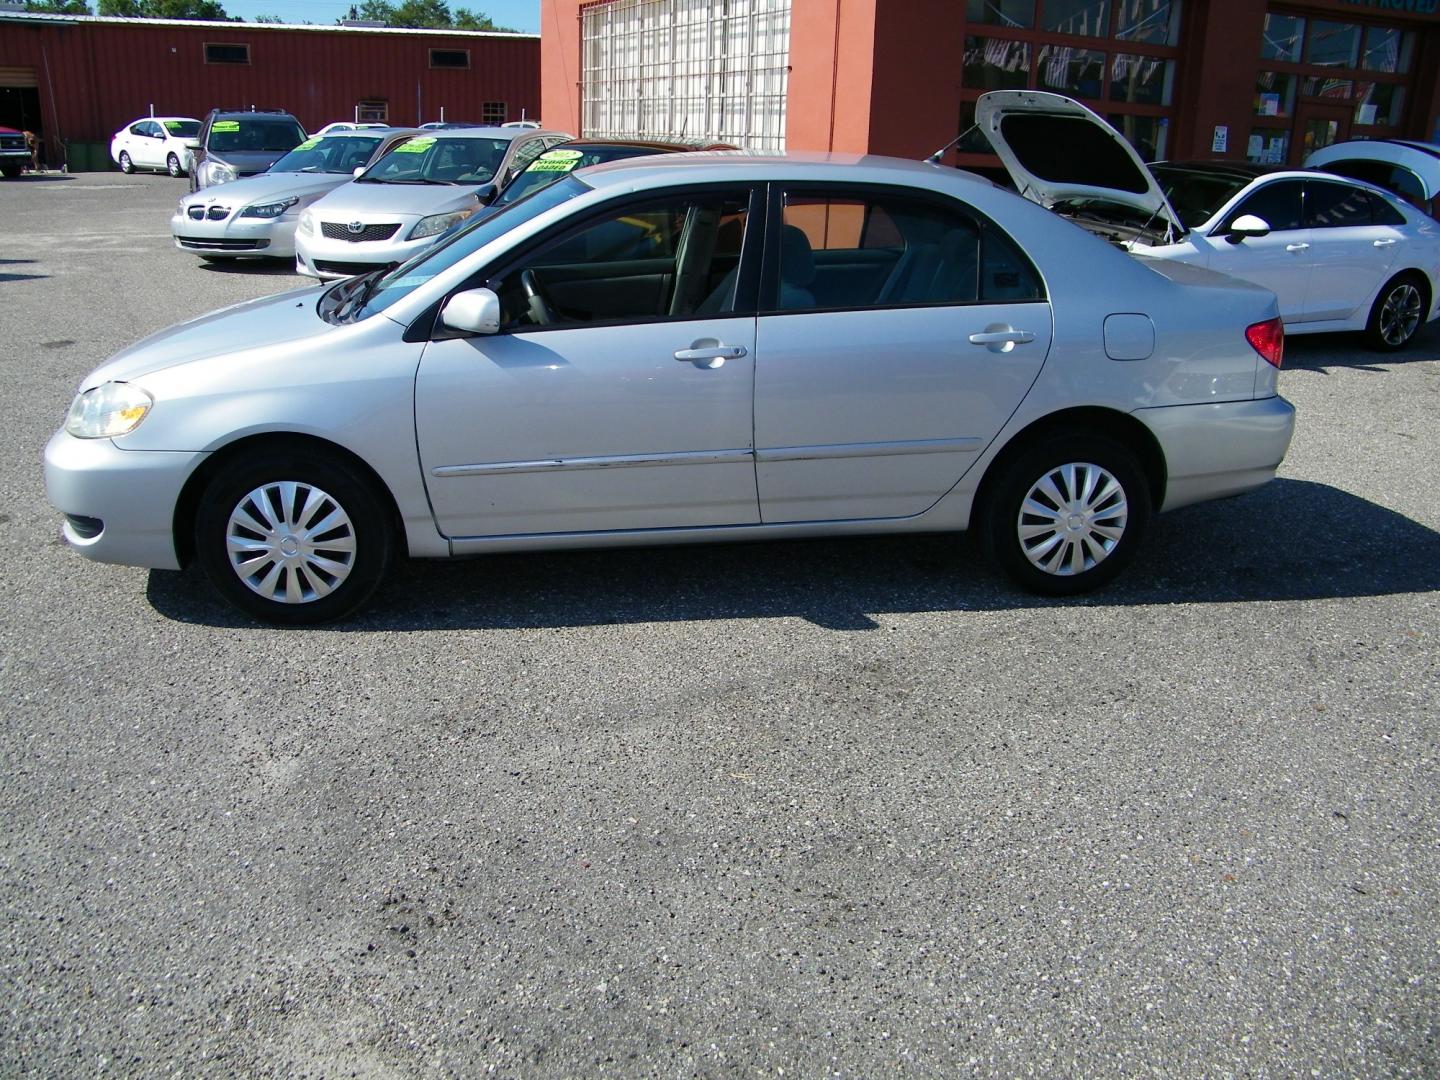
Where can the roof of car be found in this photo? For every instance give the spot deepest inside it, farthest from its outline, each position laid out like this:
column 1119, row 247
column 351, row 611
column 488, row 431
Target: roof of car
column 660, row 146
column 1239, row 170
column 488, row 132
column 801, row 164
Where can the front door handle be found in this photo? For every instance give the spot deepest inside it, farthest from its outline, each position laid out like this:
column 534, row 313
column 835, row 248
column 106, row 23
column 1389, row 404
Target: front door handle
column 1000, row 338
column 1385, row 243
column 1297, row 247
column 709, row 353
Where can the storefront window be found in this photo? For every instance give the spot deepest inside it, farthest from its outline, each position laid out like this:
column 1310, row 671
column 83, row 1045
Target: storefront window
column 1077, row 72
column 1319, row 134
column 1386, row 50
column 1274, row 94
column 1282, row 38
column 1268, row 146
column 1156, row 22
column 1142, row 80
column 1379, row 103
column 1088, row 18
column 996, row 64
column 1018, row 14
column 1326, row 87
column 1147, row 134
column 1334, row 44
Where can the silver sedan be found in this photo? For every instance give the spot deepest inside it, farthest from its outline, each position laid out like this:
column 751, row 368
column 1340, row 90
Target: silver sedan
column 685, row 349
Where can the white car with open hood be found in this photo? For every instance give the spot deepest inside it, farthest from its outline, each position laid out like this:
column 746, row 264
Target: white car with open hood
column 1339, row 254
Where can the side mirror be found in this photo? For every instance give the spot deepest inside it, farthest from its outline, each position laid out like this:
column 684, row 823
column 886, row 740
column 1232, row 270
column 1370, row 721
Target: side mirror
column 358, row 170
column 192, row 144
column 485, row 193
column 474, row 311
column 1247, row 225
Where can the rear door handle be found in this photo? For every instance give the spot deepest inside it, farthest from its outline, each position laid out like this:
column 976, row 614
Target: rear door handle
column 1001, row 338
column 1297, row 247
column 1385, row 243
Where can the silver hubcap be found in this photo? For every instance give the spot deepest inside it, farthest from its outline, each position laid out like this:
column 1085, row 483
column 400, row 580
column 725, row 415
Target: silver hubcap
column 1400, row 315
column 1072, row 519
column 290, row 542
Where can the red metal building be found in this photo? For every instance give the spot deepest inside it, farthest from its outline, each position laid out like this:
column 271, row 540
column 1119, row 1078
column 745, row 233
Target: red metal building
column 81, row 78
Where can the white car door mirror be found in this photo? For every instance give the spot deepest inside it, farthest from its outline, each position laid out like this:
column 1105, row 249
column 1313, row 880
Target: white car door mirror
column 474, row 311
column 358, row 170
column 1247, row 225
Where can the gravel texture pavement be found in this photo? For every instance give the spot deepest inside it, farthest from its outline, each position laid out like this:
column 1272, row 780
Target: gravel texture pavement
column 832, row 808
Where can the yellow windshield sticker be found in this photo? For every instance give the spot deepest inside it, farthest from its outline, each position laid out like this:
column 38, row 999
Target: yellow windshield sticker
column 562, row 155
column 172, row 125
column 541, row 165
column 415, row 146
column 308, row 144
column 225, row 125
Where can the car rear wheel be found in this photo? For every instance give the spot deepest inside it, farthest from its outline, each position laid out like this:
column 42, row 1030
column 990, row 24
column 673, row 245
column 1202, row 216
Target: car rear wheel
column 10, row 172
column 172, row 165
column 126, row 165
column 1398, row 314
column 1067, row 514
column 293, row 539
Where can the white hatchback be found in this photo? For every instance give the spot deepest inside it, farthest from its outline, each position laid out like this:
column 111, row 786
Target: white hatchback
column 155, row 142
column 1339, row 254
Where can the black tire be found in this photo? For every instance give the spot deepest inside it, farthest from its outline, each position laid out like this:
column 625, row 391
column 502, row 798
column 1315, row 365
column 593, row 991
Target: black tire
column 1106, row 539
column 289, row 558
column 10, row 172
column 1398, row 313
column 126, row 165
column 172, row 166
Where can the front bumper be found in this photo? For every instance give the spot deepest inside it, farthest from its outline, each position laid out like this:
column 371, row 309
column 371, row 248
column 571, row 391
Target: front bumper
column 235, row 235
column 325, row 258
column 1218, row 449
column 119, row 504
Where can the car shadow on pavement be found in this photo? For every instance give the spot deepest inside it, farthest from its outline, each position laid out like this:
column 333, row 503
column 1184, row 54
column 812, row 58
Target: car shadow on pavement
column 1292, row 540
column 6, row 276
column 253, row 267
column 1316, row 352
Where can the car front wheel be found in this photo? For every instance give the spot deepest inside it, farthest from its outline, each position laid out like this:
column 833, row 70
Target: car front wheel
column 1398, row 314
column 1067, row 514
column 293, row 539
column 126, row 165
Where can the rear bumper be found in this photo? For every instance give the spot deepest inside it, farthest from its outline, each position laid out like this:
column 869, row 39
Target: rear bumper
column 1219, row 449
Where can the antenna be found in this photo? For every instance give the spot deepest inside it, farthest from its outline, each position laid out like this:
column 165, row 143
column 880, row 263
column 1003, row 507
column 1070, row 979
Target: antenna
column 934, row 159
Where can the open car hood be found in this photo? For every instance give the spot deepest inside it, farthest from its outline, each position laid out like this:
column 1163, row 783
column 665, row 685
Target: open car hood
column 1056, row 149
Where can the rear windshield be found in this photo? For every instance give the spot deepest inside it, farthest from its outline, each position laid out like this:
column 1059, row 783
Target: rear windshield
column 1196, row 196
column 328, row 154
column 183, row 129
column 254, row 133
column 439, row 159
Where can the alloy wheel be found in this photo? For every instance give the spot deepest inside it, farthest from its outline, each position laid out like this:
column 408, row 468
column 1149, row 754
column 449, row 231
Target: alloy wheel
column 1400, row 314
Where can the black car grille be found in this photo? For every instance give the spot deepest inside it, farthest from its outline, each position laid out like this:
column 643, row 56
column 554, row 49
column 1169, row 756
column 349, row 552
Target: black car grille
column 333, row 230
column 12, row 142
column 220, row 244
column 347, row 268
column 214, row 213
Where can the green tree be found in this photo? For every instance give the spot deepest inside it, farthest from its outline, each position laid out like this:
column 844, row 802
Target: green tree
column 268, row 19
column 422, row 15
column 465, row 19
column 58, row 7
column 163, row 9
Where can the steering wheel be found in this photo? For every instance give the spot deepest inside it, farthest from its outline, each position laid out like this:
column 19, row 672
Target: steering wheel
column 540, row 309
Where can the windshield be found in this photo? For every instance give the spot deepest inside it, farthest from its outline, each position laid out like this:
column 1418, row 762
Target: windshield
column 254, row 134
column 409, row 276
column 1196, row 196
column 183, row 129
column 439, row 159
column 329, row 154
column 554, row 164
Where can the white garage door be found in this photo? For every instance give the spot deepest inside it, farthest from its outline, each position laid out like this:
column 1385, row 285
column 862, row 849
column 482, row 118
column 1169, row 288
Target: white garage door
column 697, row 69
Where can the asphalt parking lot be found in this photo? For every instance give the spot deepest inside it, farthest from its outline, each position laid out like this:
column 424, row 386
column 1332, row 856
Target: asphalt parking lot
column 832, row 808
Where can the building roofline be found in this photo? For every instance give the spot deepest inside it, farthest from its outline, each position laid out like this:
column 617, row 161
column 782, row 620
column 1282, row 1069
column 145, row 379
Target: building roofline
column 46, row 19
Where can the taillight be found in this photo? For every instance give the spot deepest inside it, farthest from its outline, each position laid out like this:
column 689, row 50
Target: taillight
column 1268, row 339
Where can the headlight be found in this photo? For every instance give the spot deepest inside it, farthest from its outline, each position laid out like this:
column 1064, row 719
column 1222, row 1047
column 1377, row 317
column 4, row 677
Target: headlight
column 217, row 172
column 107, row 410
column 307, row 221
column 437, row 223
column 270, row 210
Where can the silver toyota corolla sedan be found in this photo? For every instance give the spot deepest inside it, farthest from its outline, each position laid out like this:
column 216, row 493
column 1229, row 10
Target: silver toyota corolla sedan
column 257, row 216
column 683, row 349
column 403, row 202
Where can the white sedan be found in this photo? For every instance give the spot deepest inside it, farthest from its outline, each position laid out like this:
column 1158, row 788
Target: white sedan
column 1338, row 253
column 155, row 142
